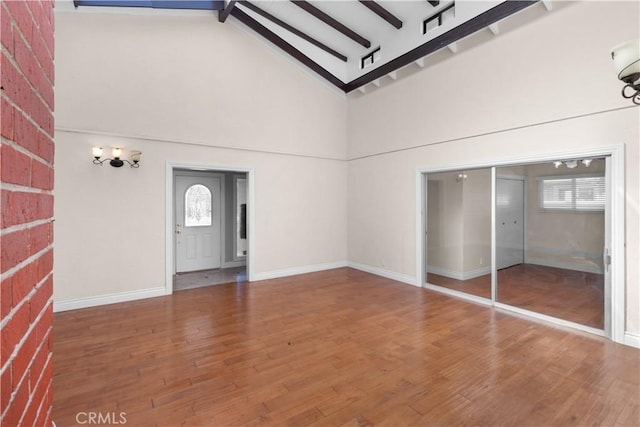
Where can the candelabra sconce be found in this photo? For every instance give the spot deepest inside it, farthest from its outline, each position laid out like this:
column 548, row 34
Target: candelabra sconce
column 116, row 161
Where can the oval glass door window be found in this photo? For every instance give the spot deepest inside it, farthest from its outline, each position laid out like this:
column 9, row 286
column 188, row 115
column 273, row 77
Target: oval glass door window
column 197, row 206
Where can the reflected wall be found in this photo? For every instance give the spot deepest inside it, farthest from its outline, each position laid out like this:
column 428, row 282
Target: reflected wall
column 459, row 230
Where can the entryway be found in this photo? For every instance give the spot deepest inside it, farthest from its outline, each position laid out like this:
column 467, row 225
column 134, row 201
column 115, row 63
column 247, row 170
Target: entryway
column 219, row 276
column 208, row 227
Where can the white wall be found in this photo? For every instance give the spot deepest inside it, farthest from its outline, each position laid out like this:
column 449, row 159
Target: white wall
column 541, row 88
column 187, row 90
column 193, row 90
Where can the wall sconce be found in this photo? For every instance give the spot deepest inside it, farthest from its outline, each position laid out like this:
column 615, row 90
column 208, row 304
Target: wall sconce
column 626, row 60
column 461, row 176
column 116, row 162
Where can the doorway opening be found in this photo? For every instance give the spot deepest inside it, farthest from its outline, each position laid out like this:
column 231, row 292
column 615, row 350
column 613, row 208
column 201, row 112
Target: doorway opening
column 209, row 226
column 533, row 237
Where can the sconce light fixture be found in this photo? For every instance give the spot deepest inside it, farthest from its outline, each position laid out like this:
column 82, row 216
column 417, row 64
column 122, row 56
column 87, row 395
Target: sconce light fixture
column 461, row 176
column 626, row 60
column 116, row 162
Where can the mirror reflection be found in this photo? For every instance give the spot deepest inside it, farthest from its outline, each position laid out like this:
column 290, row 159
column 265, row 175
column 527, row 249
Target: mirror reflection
column 459, row 231
column 550, row 235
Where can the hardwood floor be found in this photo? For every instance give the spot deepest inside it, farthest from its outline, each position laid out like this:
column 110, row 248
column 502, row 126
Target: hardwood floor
column 566, row 294
column 334, row 348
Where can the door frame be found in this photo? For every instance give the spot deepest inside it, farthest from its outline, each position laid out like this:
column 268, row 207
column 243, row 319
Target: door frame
column 617, row 230
column 170, row 169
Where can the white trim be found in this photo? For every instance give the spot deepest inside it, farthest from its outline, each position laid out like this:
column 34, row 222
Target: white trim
column 232, row 264
column 618, row 261
column 293, row 271
column 632, row 340
column 421, row 241
column 399, row 277
column 458, row 294
column 575, row 266
column 618, row 244
column 459, row 275
column 169, row 212
column 86, row 302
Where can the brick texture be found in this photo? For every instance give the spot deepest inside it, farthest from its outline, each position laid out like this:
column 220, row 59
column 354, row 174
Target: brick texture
column 26, row 199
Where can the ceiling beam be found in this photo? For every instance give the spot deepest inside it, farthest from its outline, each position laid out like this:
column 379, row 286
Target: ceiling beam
column 285, row 46
column 333, row 23
column 293, row 30
column 382, row 13
column 469, row 27
column 224, row 13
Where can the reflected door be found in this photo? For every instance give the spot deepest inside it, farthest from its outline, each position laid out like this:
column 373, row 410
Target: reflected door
column 509, row 222
column 197, row 223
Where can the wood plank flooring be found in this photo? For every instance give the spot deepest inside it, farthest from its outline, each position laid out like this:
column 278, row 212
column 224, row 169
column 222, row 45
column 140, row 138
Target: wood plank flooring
column 566, row 294
column 334, row 348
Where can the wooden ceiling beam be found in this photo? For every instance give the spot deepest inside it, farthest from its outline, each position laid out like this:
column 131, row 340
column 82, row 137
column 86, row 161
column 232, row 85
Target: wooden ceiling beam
column 333, row 23
column 224, row 13
column 477, row 23
column 285, row 46
column 293, row 30
column 382, row 13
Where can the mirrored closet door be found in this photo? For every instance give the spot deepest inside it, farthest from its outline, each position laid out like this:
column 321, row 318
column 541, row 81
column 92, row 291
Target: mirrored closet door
column 546, row 252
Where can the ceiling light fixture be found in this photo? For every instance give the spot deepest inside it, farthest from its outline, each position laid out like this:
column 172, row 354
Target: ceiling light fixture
column 626, row 60
column 116, row 162
column 572, row 164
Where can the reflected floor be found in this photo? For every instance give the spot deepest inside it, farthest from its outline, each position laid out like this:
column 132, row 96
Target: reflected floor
column 566, row 294
column 199, row 279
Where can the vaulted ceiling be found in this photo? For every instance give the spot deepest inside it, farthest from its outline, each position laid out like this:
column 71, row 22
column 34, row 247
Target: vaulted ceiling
column 353, row 43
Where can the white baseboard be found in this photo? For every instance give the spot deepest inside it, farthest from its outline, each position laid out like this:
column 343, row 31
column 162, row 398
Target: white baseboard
column 404, row 278
column 232, row 264
column 586, row 268
column 86, row 302
column 459, row 275
column 275, row 274
column 632, row 340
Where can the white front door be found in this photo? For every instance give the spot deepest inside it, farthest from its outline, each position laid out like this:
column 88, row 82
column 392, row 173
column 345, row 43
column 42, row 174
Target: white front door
column 197, row 222
column 509, row 222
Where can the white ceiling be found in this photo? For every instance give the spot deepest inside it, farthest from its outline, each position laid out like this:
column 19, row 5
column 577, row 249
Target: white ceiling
column 288, row 25
column 392, row 42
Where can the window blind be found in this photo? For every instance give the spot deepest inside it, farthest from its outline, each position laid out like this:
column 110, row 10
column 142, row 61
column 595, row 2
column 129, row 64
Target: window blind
column 580, row 193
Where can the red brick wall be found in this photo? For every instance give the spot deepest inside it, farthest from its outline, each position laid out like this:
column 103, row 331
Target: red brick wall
column 26, row 228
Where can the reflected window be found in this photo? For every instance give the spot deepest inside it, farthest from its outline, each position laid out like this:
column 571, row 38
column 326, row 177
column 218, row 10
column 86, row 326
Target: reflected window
column 584, row 193
column 197, row 206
